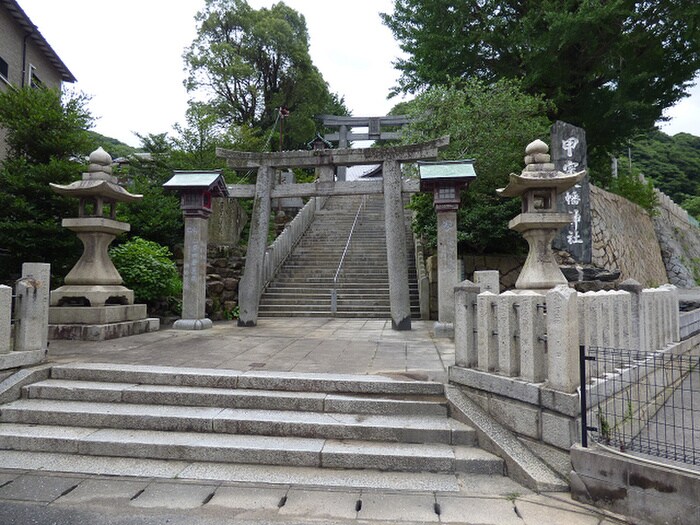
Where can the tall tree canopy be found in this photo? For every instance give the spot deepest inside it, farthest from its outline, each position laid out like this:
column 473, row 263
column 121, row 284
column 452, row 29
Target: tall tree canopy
column 45, row 134
column 610, row 66
column 248, row 63
column 491, row 123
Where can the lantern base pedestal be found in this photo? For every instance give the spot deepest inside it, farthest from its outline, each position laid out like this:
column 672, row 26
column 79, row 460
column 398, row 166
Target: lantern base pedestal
column 98, row 323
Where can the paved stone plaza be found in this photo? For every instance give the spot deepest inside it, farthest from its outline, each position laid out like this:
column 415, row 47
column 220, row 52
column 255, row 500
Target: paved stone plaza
column 150, row 494
column 343, row 346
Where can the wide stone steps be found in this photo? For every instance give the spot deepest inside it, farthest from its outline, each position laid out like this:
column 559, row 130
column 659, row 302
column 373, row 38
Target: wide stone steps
column 242, row 418
column 309, row 271
column 243, row 449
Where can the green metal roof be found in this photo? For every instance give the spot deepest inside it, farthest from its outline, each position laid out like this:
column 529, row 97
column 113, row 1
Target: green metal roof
column 210, row 180
column 446, row 169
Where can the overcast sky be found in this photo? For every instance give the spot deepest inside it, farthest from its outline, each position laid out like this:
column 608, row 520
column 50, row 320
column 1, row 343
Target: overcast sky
column 127, row 55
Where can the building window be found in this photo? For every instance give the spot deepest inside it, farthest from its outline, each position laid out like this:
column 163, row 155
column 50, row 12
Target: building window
column 4, row 70
column 34, row 80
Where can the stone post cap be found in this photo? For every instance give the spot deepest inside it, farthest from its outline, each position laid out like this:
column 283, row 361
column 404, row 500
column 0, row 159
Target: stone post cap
column 100, row 167
column 630, row 285
column 467, row 286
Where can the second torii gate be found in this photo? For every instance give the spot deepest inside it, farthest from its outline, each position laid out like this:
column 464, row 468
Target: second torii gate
column 326, row 160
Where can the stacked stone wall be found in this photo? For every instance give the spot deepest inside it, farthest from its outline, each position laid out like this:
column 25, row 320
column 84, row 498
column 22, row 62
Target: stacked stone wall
column 679, row 239
column 624, row 238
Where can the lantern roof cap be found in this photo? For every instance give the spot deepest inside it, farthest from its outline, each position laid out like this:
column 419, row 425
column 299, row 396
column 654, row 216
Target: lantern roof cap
column 539, row 173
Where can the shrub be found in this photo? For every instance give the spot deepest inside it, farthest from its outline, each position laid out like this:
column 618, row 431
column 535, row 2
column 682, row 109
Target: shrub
column 636, row 190
column 147, row 268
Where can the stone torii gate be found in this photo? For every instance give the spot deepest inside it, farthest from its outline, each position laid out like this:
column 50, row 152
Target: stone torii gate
column 326, row 160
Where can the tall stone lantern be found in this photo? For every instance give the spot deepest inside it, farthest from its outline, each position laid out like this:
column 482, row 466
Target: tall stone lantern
column 538, row 185
column 94, row 281
column 93, row 304
column 445, row 180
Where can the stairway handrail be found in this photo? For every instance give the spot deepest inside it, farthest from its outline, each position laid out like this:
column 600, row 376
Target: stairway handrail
column 334, row 290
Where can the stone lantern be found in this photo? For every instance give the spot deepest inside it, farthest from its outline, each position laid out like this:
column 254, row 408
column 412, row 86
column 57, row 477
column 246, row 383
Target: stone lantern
column 539, row 185
column 446, row 179
column 93, row 304
column 94, row 281
column 196, row 190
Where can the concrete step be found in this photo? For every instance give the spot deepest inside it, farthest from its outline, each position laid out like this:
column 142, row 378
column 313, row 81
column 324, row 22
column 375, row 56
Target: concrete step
column 232, row 472
column 60, row 389
column 246, row 449
column 259, row 380
column 393, row 428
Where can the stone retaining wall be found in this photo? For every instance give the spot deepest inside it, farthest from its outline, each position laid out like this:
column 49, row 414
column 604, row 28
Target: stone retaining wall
column 679, row 239
column 624, row 238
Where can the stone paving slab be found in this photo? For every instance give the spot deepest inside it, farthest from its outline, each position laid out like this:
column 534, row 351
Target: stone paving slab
column 174, row 495
column 265, row 498
column 145, row 501
column 104, row 490
column 38, row 488
column 321, row 504
column 479, row 511
column 399, row 508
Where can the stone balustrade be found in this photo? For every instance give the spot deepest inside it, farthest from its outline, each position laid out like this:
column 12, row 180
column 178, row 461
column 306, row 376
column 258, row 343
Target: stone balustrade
column 517, row 352
column 536, row 336
column 283, row 245
column 24, row 319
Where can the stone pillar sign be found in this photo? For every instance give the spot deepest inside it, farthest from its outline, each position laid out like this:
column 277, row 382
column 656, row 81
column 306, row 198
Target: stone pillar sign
column 196, row 190
column 569, row 156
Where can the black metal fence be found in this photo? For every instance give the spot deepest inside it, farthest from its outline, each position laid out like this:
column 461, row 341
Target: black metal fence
column 642, row 402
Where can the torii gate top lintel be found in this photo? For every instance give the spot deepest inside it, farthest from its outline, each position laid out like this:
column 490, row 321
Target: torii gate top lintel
column 332, row 157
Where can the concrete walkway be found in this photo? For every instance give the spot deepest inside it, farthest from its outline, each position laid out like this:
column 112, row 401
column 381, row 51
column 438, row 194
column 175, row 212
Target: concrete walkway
column 28, row 495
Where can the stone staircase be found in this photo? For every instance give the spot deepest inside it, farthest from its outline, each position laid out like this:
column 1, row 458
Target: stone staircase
column 302, row 287
column 347, row 430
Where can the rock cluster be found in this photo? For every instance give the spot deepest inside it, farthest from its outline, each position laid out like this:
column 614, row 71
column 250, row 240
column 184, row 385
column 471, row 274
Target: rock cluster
column 224, row 270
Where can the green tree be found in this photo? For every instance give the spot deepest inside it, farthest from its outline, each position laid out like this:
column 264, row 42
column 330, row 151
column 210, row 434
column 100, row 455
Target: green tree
column 157, row 217
column 610, row 67
column 45, row 134
column 249, row 63
column 491, row 124
column 673, row 163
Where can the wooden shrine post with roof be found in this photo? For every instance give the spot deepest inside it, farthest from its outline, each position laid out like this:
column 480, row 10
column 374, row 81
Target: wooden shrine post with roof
column 392, row 187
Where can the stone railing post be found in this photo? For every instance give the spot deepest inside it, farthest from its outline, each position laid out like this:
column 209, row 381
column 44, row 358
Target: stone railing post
column 32, row 307
column 466, row 353
column 562, row 339
column 423, row 279
column 5, row 318
column 637, row 339
column 487, row 335
column 488, row 281
column 532, row 326
column 508, row 345
column 674, row 313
